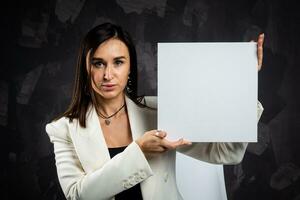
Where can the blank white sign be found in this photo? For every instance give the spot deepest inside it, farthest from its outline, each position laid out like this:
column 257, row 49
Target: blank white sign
column 207, row 92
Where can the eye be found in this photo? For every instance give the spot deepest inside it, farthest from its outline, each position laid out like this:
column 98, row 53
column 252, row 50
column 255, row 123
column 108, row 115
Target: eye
column 119, row 62
column 98, row 64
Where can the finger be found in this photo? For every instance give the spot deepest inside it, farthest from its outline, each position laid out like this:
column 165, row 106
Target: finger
column 260, row 42
column 184, row 143
column 160, row 134
column 159, row 149
column 167, row 144
column 172, row 144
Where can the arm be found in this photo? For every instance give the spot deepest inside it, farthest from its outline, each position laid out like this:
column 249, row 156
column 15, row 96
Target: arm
column 121, row 172
column 221, row 152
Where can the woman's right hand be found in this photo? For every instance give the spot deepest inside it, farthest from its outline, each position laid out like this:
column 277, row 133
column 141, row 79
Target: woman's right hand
column 154, row 142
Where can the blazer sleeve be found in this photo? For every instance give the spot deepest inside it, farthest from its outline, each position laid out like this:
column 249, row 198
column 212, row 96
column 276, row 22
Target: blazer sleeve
column 121, row 172
column 219, row 152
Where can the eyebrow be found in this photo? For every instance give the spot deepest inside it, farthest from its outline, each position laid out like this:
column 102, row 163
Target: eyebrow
column 101, row 59
column 119, row 57
column 96, row 59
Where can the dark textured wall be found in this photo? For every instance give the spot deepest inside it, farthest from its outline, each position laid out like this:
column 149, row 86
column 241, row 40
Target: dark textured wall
column 39, row 42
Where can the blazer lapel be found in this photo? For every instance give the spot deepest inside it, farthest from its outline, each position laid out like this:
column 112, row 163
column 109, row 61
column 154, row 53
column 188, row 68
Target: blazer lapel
column 136, row 116
column 90, row 143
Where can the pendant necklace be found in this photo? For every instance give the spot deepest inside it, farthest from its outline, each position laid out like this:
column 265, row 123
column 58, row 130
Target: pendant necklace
column 107, row 119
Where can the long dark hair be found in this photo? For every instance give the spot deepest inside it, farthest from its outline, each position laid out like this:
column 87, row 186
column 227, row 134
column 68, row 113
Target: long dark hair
column 83, row 93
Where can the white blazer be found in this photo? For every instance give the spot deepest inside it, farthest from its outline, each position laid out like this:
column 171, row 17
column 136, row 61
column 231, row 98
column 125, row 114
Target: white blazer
column 86, row 171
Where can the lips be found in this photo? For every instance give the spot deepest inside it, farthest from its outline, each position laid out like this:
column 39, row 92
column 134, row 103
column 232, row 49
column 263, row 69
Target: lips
column 108, row 87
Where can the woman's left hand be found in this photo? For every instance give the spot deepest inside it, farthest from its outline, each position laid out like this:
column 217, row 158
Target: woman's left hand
column 260, row 42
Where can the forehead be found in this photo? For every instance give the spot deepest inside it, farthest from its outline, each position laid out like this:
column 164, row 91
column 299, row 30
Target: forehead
column 112, row 48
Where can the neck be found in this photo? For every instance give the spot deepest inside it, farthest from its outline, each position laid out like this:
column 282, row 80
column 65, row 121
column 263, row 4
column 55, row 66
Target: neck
column 110, row 106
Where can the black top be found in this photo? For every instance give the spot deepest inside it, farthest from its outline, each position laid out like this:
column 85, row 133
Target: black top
column 131, row 193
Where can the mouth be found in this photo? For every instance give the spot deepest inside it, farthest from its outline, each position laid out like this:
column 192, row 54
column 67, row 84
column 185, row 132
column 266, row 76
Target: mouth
column 108, row 87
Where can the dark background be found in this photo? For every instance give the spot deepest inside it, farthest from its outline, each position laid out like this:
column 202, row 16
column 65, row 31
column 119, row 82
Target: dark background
column 39, row 42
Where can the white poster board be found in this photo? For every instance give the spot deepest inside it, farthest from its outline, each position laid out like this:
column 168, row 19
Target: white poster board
column 207, row 92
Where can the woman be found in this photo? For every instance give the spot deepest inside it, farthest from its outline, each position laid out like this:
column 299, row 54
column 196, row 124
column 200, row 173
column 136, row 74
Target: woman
column 106, row 144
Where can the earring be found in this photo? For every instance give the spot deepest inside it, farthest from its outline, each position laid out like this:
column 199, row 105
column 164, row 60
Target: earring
column 128, row 85
column 129, row 80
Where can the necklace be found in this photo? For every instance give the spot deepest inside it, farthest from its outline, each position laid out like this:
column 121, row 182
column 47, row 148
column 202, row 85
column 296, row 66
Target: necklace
column 107, row 119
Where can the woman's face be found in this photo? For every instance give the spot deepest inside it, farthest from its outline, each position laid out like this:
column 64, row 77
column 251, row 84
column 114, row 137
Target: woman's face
column 110, row 67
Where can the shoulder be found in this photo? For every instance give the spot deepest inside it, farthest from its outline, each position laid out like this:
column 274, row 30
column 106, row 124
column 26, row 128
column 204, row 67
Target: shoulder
column 151, row 110
column 62, row 126
column 59, row 128
column 150, row 101
column 149, row 115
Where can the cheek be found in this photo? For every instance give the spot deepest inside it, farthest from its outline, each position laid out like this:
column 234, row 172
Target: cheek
column 96, row 76
column 96, row 79
column 124, row 77
column 124, row 81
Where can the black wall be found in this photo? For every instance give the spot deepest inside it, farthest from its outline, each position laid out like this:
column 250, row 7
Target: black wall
column 39, row 41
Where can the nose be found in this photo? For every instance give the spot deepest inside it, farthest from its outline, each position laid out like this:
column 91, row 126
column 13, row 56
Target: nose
column 108, row 73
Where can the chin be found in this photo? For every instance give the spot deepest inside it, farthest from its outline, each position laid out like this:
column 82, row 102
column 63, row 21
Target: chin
column 110, row 95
